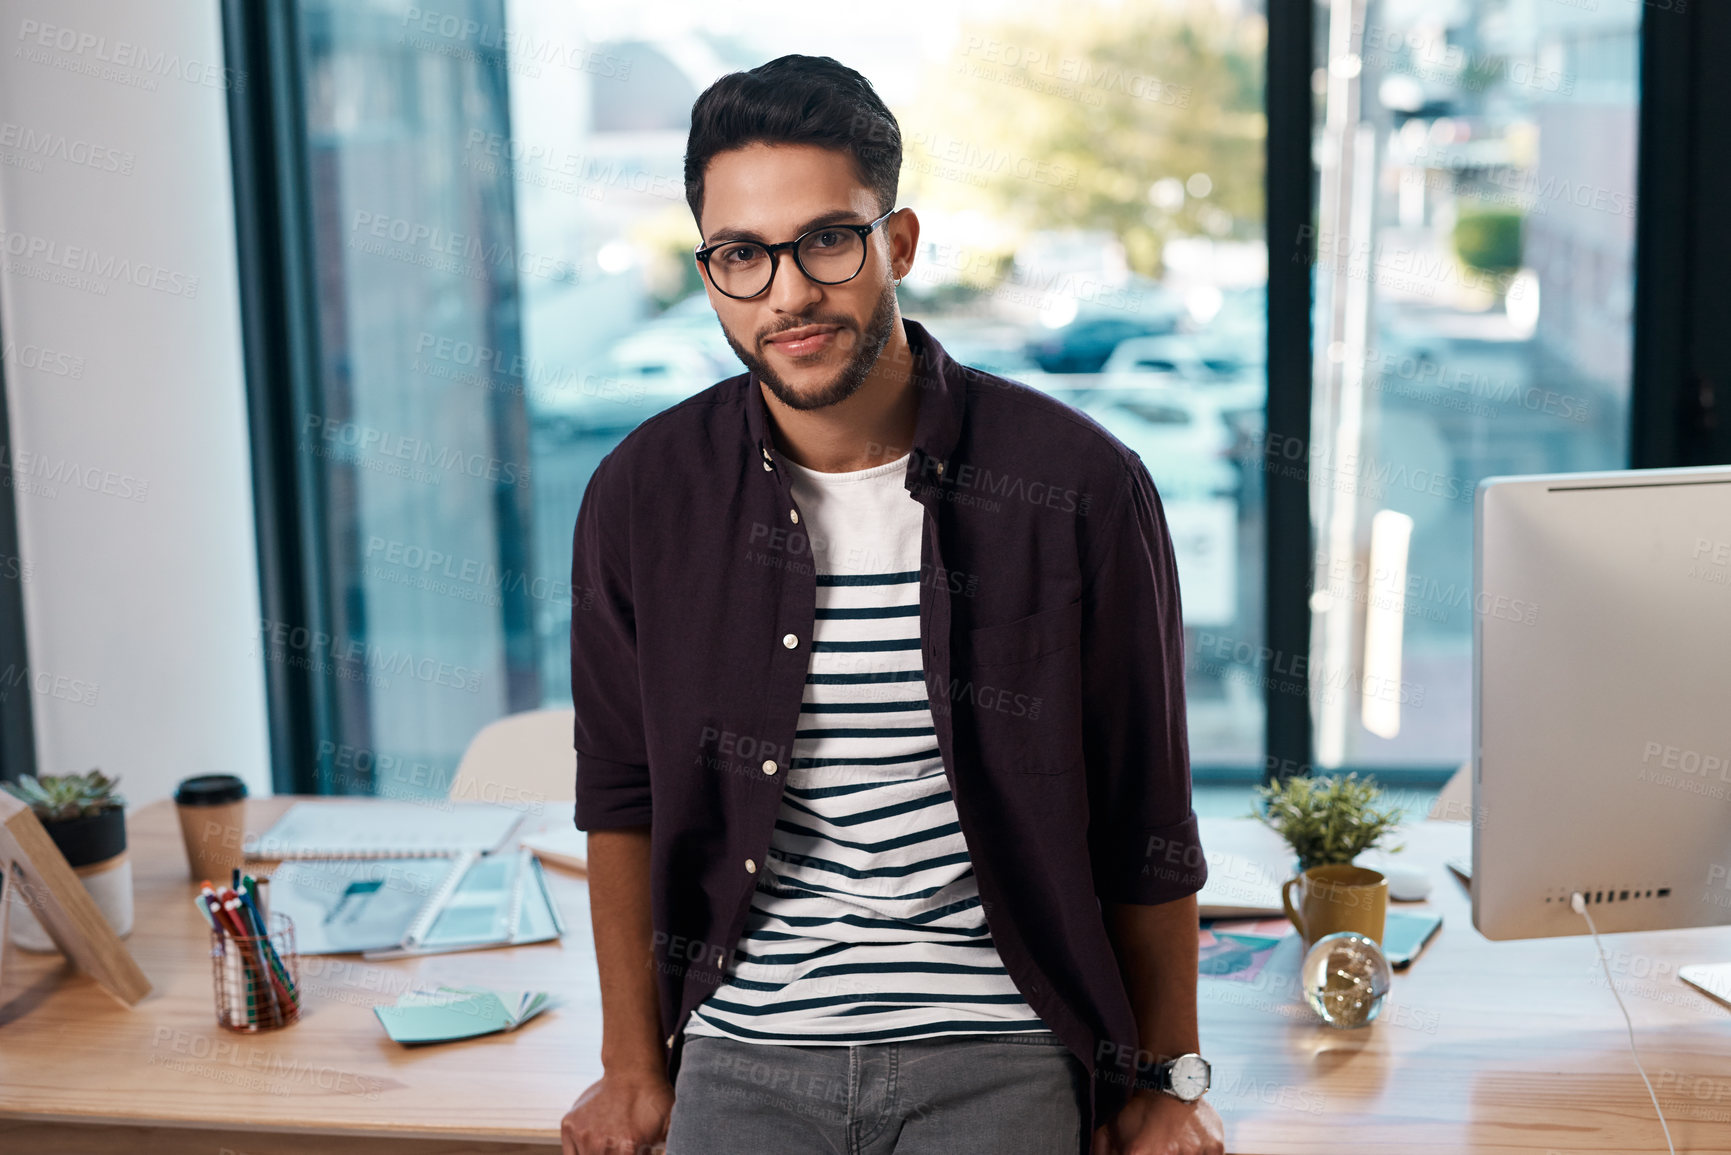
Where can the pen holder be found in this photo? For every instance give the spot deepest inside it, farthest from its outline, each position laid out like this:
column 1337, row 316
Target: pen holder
column 257, row 978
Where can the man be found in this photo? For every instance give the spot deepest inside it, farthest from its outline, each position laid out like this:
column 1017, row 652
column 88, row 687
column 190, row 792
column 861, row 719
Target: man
column 880, row 713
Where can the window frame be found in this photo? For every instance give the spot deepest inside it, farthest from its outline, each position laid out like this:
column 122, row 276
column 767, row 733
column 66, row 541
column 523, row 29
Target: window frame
column 281, row 354
column 17, row 722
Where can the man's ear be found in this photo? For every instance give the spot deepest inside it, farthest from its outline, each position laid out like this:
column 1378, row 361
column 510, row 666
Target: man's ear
column 908, row 225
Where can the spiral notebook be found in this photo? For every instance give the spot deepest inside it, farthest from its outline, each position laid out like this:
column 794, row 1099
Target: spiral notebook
column 1247, row 863
column 376, row 828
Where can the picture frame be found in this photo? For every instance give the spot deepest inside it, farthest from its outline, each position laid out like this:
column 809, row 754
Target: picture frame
column 32, row 870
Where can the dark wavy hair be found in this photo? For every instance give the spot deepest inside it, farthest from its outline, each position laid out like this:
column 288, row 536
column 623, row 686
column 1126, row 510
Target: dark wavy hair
column 796, row 99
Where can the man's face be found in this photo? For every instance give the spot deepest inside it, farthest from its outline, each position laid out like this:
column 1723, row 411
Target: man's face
column 773, row 193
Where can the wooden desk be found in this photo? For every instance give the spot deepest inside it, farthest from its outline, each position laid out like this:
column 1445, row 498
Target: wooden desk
column 1491, row 1047
column 1496, row 1047
column 81, row 1073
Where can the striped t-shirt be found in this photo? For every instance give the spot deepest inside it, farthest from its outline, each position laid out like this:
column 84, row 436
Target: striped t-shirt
column 866, row 922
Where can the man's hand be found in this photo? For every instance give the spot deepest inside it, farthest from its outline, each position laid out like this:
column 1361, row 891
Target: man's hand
column 628, row 1110
column 1155, row 1123
column 624, row 1113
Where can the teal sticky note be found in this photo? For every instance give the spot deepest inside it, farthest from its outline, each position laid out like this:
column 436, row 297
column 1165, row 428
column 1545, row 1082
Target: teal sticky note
column 463, row 1017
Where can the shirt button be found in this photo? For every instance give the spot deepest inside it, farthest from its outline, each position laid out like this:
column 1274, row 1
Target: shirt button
column 789, row 640
column 750, row 866
column 767, row 467
column 670, row 1040
column 769, row 766
column 940, row 469
column 793, row 516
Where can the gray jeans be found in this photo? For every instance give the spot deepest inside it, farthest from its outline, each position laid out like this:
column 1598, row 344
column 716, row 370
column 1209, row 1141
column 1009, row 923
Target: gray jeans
column 996, row 1094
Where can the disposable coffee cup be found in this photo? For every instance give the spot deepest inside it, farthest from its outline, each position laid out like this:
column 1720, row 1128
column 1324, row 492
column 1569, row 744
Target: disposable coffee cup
column 212, row 810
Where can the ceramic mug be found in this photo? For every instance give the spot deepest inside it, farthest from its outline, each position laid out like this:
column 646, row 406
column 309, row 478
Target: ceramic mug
column 1337, row 897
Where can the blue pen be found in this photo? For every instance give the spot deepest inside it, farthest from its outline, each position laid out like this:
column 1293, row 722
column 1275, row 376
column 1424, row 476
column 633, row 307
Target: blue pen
column 254, row 923
column 243, row 888
column 270, row 953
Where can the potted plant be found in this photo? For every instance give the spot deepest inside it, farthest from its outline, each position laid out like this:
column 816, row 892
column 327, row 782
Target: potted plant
column 1328, row 819
column 86, row 820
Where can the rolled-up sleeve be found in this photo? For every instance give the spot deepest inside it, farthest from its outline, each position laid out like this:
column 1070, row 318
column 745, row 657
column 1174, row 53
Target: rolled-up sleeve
column 1143, row 837
column 612, row 758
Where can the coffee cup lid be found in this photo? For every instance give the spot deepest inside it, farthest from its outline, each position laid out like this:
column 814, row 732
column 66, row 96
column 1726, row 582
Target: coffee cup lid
column 210, row 790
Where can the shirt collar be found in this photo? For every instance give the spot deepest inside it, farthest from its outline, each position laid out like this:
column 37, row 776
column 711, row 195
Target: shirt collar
column 943, row 403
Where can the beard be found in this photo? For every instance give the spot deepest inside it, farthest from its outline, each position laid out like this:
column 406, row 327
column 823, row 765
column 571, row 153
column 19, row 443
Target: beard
column 849, row 377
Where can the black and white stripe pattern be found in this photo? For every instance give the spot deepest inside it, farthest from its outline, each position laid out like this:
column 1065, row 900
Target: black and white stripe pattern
column 866, row 925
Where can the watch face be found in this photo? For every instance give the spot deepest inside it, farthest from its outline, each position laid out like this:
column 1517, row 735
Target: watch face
column 1189, row 1076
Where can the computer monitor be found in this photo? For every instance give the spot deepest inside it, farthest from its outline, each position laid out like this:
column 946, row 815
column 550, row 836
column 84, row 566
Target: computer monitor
column 1602, row 701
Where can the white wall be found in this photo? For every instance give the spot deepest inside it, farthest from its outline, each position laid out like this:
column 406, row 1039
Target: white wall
column 130, row 462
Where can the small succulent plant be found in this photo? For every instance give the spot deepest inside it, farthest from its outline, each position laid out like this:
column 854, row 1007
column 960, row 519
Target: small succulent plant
column 58, row 797
column 1327, row 819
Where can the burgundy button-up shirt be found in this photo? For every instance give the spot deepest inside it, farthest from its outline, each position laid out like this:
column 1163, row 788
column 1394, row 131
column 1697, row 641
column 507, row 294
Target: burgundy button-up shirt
column 1053, row 653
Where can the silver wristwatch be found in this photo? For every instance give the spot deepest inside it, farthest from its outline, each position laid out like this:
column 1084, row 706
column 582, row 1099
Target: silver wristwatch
column 1185, row 1077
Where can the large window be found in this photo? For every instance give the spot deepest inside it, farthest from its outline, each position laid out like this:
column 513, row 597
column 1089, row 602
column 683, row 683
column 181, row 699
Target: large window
column 416, row 431
column 1474, row 288
column 501, row 247
column 500, row 286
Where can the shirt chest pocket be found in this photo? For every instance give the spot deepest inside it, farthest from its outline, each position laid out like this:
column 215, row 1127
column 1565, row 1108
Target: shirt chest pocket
column 1022, row 686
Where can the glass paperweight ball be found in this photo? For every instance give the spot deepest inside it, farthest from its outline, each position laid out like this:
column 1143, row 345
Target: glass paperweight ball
column 1345, row 978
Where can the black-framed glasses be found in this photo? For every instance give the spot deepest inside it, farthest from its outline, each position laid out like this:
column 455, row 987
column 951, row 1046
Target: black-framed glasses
column 827, row 254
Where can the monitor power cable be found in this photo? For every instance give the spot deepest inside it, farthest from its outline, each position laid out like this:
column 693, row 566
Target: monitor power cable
column 1578, row 902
